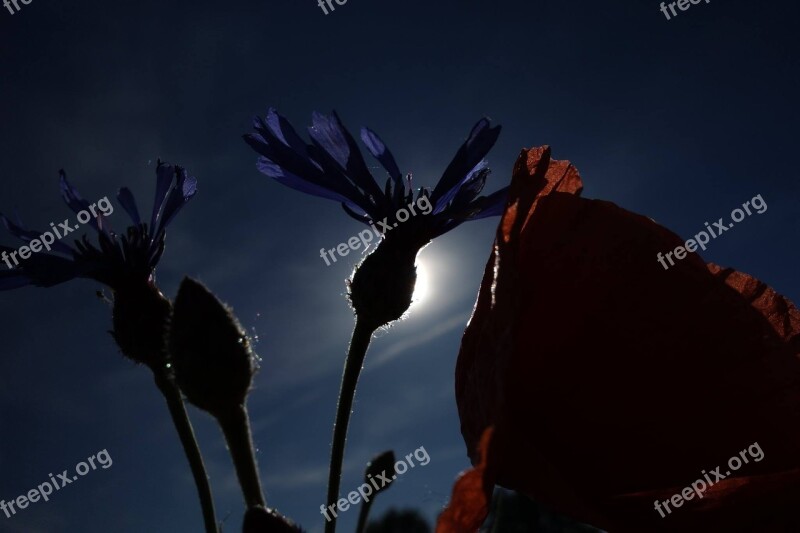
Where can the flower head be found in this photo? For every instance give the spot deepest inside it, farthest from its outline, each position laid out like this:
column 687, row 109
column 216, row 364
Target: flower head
column 333, row 167
column 118, row 260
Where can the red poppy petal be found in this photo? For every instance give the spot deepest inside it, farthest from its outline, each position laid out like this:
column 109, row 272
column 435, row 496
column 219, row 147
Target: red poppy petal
column 606, row 375
column 781, row 313
column 472, row 494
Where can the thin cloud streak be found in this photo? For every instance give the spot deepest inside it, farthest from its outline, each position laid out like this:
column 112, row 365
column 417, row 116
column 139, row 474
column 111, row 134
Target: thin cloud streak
column 414, row 341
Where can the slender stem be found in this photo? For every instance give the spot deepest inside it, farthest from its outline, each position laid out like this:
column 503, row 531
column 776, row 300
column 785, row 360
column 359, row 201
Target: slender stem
column 362, row 516
column 362, row 334
column 235, row 425
column 184, row 427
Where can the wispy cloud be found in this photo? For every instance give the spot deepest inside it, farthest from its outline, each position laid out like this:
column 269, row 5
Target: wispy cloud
column 308, row 477
column 457, row 321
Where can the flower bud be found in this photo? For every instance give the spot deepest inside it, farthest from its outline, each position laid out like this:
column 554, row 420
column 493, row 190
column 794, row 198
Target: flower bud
column 140, row 317
column 381, row 465
column 211, row 354
column 382, row 285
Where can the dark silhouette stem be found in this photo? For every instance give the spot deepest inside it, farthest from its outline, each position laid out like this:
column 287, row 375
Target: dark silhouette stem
column 362, row 334
column 186, row 433
column 235, row 424
column 363, row 515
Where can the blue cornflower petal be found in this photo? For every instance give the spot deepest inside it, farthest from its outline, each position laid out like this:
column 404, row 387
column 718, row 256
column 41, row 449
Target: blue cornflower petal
column 332, row 167
column 283, row 176
column 40, row 269
column 73, row 198
column 284, row 131
column 273, row 145
column 361, row 217
column 118, row 260
column 492, row 205
column 344, row 184
column 328, row 133
column 297, row 164
column 481, row 139
column 184, row 189
column 464, row 186
column 268, row 145
column 296, row 167
column 465, row 209
column 164, row 175
column 27, row 235
column 379, row 151
column 128, row 203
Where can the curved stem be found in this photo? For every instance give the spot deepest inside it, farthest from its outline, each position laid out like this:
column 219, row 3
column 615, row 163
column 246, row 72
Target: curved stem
column 235, row 425
column 362, row 516
column 184, row 427
column 362, row 334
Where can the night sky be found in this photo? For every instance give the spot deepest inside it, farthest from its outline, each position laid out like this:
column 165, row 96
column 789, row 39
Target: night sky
column 680, row 120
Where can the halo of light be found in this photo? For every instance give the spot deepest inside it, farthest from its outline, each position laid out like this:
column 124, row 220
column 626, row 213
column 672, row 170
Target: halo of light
column 422, row 287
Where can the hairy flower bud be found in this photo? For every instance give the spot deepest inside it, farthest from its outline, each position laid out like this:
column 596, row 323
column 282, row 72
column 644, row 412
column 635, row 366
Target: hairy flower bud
column 382, row 285
column 211, row 354
column 381, row 465
column 140, row 318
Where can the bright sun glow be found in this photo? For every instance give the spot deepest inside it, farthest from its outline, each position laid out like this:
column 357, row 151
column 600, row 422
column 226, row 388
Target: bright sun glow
column 422, row 288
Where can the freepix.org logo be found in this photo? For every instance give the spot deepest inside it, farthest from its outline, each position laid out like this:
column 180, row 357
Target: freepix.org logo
column 683, row 5
column 48, row 238
column 366, row 236
column 327, row 5
column 43, row 491
column 701, row 239
column 15, row 3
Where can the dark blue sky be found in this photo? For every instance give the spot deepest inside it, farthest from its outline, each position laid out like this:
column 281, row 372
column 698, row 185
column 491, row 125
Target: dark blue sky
column 680, row 120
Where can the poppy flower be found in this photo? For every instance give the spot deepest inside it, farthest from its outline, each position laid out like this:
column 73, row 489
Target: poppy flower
column 613, row 384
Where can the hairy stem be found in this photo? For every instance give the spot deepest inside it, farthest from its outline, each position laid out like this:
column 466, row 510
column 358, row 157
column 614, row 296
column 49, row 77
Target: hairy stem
column 362, row 334
column 186, row 433
column 235, row 425
column 362, row 516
